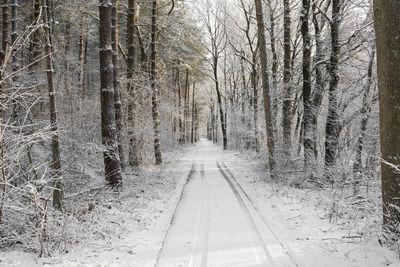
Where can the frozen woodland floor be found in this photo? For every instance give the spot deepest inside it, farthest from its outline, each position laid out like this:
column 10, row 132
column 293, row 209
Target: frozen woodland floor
column 212, row 208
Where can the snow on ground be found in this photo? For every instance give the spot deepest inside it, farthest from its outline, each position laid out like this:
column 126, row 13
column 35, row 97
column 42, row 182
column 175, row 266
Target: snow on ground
column 121, row 231
column 301, row 221
column 128, row 230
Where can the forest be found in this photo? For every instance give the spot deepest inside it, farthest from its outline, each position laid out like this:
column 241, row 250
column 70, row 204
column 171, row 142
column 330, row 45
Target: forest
column 124, row 123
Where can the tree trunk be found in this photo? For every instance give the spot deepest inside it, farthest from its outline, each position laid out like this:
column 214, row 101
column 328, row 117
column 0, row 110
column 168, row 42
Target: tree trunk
column 134, row 155
column 175, row 98
column 196, row 132
column 117, row 94
column 219, row 100
column 307, row 104
column 154, row 86
column 265, row 82
column 387, row 27
column 192, row 137
column 364, row 112
column 109, row 136
column 243, row 134
column 319, row 82
column 15, row 60
column 180, row 122
column 55, row 145
column 275, row 66
column 254, row 82
column 3, row 63
column 186, row 107
column 287, row 117
column 35, row 43
column 332, row 123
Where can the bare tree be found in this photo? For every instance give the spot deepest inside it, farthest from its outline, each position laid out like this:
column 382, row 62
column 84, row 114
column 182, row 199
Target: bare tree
column 15, row 59
column 307, row 104
column 134, row 155
column 192, row 133
column 154, row 86
column 55, row 144
column 117, row 94
column 3, row 61
column 287, row 75
column 332, row 127
column 319, row 22
column 108, row 128
column 266, row 90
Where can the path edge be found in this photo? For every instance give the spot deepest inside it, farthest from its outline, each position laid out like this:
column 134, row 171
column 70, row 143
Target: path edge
column 172, row 218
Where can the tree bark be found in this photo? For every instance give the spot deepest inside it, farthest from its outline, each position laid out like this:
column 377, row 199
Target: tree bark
column 307, row 103
column 192, row 135
column 287, row 117
column 332, row 124
column 117, row 93
column 154, row 86
column 254, row 82
column 274, row 69
column 58, row 194
column 134, row 153
column 387, row 27
column 186, row 108
column 364, row 112
column 266, row 89
column 179, row 95
column 317, row 96
column 15, row 60
column 35, row 43
column 109, row 136
column 219, row 100
column 3, row 63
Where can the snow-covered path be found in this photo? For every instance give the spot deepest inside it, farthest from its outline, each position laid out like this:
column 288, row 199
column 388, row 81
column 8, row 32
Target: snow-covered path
column 228, row 218
column 216, row 225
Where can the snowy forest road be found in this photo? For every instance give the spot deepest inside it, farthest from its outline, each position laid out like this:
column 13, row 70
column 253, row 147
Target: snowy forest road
column 216, row 224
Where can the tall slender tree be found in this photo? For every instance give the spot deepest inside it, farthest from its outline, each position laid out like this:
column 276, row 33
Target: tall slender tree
column 3, row 62
column 365, row 114
column 192, row 134
column 332, row 123
column 108, row 127
column 117, row 94
column 179, row 95
column 134, row 154
column 154, row 86
column 186, row 107
column 34, row 47
column 266, row 88
column 307, row 103
column 274, row 64
column 55, row 144
column 319, row 22
column 218, row 43
column 15, row 59
column 287, row 89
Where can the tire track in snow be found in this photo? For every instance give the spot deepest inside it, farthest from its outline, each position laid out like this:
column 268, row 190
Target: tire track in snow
column 200, row 250
column 247, row 214
column 188, row 178
column 286, row 248
column 205, row 217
